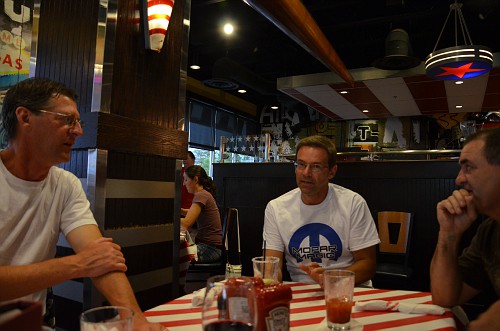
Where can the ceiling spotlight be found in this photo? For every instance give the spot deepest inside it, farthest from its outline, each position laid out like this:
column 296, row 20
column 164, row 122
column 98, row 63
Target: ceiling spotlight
column 274, row 107
column 343, row 92
column 458, row 62
column 195, row 67
column 458, row 106
column 458, row 82
column 366, row 111
column 242, row 91
column 228, row 28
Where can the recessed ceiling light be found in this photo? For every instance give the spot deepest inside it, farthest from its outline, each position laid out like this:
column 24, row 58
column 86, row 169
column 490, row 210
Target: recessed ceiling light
column 195, row 67
column 274, row 107
column 458, row 106
column 228, row 28
column 366, row 111
column 458, row 82
column 343, row 92
column 242, row 91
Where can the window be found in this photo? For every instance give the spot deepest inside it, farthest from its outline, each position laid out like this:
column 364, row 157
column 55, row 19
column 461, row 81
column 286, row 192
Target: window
column 201, row 123
column 206, row 124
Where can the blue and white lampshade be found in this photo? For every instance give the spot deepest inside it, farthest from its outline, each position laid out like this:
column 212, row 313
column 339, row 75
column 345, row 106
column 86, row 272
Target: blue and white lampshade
column 459, row 62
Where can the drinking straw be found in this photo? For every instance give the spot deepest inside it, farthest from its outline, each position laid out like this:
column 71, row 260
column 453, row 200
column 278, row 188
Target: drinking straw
column 264, row 259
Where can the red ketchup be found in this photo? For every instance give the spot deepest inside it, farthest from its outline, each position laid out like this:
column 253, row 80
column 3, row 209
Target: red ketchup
column 273, row 304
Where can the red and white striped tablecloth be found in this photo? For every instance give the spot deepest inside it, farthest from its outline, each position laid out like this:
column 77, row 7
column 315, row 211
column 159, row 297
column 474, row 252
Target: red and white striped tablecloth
column 308, row 312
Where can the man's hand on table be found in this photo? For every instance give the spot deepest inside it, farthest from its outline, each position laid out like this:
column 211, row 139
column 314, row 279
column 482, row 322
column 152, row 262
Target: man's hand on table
column 315, row 271
column 147, row 326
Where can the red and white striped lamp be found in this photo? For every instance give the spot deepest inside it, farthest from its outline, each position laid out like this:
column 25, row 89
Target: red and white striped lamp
column 158, row 17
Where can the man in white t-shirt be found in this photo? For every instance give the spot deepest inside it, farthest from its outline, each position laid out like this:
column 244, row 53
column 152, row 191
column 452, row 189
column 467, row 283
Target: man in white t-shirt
column 320, row 225
column 39, row 200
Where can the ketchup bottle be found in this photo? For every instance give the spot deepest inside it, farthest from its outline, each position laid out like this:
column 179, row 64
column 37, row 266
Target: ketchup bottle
column 273, row 305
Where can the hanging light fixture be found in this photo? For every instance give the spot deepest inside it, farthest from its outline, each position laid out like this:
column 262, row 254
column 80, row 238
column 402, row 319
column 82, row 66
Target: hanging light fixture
column 156, row 16
column 458, row 62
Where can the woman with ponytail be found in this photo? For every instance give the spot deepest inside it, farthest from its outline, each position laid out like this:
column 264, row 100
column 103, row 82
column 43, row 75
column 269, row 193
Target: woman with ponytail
column 204, row 213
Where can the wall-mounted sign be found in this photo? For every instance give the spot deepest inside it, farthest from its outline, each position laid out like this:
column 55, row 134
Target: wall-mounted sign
column 16, row 21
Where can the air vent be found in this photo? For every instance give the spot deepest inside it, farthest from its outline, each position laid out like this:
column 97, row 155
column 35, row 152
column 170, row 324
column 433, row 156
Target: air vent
column 221, row 84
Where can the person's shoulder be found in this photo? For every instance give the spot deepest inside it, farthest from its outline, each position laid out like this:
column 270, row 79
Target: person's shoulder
column 345, row 193
column 489, row 225
column 61, row 174
column 288, row 195
column 341, row 190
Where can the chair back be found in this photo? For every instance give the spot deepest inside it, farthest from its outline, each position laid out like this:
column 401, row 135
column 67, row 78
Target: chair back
column 232, row 238
column 394, row 231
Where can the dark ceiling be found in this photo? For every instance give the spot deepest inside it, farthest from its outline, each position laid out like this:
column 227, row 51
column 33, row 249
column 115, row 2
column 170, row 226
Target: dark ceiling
column 357, row 30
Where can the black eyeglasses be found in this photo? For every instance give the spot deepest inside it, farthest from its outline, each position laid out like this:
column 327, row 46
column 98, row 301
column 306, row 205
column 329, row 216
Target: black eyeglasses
column 70, row 119
column 315, row 167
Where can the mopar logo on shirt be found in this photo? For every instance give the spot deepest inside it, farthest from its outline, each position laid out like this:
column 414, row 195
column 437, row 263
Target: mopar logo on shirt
column 324, row 243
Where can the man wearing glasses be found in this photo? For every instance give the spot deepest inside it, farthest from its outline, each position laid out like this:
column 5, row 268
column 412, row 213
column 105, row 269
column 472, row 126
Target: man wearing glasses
column 320, row 225
column 39, row 200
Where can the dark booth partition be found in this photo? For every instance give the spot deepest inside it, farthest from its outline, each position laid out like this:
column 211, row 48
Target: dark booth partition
column 414, row 186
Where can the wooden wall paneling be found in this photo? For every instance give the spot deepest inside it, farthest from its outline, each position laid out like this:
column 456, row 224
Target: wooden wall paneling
column 66, row 45
column 125, row 134
column 139, row 214
column 146, row 83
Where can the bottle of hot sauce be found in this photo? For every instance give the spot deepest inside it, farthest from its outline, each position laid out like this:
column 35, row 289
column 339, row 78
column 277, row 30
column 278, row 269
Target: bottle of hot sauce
column 273, row 305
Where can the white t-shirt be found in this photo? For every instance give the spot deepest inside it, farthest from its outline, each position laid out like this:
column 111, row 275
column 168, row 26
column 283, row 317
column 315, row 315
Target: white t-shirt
column 326, row 233
column 32, row 214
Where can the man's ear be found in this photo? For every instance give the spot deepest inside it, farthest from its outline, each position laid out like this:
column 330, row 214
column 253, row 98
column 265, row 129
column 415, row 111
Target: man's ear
column 23, row 115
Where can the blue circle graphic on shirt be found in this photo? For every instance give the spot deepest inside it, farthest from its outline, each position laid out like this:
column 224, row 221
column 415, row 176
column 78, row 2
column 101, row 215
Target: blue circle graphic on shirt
column 330, row 249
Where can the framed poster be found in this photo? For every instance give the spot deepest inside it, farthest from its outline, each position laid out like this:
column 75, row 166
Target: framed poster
column 16, row 27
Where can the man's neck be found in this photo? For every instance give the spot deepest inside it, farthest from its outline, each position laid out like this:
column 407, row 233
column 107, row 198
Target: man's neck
column 25, row 168
column 314, row 199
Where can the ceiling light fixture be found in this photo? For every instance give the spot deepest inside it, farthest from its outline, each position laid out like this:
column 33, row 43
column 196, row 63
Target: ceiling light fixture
column 242, row 91
column 195, row 67
column 458, row 62
column 228, row 28
column 155, row 17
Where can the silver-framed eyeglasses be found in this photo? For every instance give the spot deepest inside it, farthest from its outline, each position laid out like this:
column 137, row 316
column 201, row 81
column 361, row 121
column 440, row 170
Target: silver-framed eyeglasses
column 70, row 119
column 315, row 167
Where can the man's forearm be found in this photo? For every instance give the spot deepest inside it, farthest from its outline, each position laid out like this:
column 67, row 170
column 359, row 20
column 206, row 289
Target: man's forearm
column 18, row 281
column 364, row 270
column 446, row 281
column 117, row 290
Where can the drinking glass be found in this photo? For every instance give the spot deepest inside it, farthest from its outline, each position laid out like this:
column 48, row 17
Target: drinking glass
column 112, row 318
column 229, row 305
column 267, row 268
column 339, row 288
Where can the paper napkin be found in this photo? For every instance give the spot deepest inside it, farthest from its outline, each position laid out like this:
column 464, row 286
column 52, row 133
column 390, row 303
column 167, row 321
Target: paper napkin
column 403, row 307
column 198, row 297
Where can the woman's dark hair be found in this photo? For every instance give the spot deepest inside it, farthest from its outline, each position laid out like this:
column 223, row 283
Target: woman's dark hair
column 203, row 179
column 32, row 93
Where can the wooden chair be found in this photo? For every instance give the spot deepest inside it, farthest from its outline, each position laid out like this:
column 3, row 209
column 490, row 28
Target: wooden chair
column 393, row 270
column 199, row 272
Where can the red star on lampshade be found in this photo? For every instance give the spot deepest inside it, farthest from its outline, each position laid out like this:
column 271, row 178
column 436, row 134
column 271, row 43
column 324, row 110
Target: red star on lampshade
column 459, row 71
column 458, row 62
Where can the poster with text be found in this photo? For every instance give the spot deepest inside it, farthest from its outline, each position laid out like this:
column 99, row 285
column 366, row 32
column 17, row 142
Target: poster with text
column 16, row 26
